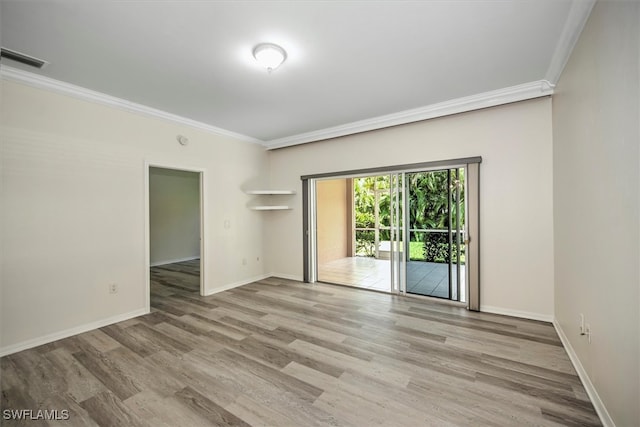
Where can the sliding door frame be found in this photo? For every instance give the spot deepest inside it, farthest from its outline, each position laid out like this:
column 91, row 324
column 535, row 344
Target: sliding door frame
column 309, row 230
column 472, row 164
column 472, row 182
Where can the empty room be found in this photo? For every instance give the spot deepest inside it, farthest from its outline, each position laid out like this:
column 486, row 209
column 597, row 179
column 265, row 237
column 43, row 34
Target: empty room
column 310, row 213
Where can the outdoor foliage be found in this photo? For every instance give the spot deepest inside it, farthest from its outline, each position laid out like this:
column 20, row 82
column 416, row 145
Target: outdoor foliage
column 428, row 210
column 365, row 243
column 436, row 248
column 365, row 204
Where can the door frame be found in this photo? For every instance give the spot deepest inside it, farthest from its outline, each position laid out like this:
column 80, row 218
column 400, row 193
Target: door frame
column 472, row 165
column 147, row 229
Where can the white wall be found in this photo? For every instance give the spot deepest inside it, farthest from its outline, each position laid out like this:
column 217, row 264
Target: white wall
column 73, row 194
column 596, row 204
column 174, row 215
column 515, row 142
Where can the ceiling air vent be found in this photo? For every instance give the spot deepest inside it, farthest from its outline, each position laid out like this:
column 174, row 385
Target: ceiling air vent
column 22, row 58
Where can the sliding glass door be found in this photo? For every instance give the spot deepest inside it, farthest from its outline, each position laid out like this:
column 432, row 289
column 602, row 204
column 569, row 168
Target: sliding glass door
column 407, row 231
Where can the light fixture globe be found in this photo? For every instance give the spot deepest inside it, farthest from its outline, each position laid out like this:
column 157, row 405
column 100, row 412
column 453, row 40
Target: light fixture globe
column 269, row 55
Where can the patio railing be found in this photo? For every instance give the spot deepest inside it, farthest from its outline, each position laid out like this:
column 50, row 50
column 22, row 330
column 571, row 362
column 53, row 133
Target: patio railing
column 425, row 244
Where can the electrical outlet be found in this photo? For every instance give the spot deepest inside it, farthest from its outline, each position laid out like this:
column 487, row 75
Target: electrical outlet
column 113, row 288
column 581, row 325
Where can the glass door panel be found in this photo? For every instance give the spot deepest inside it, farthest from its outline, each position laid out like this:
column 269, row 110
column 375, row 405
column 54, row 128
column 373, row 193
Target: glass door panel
column 428, row 205
column 435, row 215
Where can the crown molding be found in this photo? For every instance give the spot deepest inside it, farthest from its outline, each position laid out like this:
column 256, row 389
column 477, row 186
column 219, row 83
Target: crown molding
column 493, row 98
column 47, row 83
column 475, row 102
column 578, row 16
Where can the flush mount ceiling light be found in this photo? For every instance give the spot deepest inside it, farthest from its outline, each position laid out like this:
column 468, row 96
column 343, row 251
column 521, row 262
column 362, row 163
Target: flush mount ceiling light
column 269, row 55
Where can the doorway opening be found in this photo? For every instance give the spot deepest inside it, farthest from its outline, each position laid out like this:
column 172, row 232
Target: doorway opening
column 175, row 249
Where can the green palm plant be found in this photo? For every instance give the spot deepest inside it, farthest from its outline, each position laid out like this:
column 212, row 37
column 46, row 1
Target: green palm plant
column 428, row 208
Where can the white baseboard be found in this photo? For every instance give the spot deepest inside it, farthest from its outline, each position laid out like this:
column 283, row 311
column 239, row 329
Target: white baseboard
column 516, row 313
column 251, row 280
column 606, row 419
column 287, row 276
column 46, row 339
column 237, row 284
column 173, row 261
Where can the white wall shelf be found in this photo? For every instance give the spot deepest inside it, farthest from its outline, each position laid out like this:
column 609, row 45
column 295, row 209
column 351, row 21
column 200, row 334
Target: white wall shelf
column 270, row 192
column 270, row 208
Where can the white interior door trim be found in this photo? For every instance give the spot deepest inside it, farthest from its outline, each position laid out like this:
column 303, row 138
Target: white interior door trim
column 204, row 267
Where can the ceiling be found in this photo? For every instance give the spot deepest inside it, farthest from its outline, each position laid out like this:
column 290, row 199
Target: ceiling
column 350, row 65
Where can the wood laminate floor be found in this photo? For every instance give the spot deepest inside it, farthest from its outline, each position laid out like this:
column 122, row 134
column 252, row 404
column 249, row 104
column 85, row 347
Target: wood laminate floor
column 283, row 353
